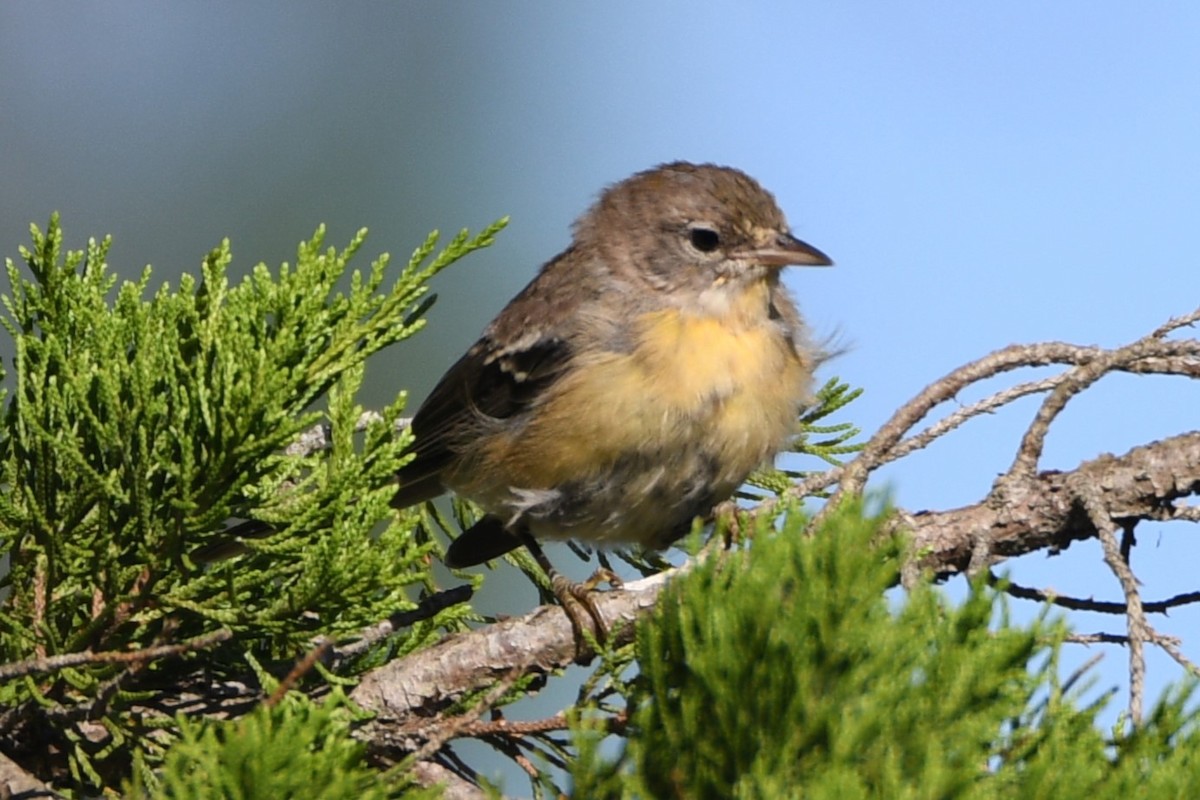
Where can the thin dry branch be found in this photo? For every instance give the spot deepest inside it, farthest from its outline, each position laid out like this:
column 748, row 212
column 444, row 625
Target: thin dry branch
column 442, row 731
column 1076, row 381
column 1087, row 603
column 1093, row 503
column 35, row 666
column 1162, row 357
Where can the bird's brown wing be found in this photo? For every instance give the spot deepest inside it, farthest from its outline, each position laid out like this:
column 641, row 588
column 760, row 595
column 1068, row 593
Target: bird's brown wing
column 480, row 383
column 483, row 383
column 521, row 353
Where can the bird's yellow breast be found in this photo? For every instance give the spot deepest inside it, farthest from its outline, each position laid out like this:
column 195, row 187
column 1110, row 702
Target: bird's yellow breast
column 697, row 389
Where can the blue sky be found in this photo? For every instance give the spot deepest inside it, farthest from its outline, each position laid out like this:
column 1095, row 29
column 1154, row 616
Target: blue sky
column 983, row 174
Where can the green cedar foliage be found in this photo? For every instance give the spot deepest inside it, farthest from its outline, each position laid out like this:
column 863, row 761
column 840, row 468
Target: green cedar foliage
column 298, row 749
column 835, row 439
column 784, row 672
column 135, row 426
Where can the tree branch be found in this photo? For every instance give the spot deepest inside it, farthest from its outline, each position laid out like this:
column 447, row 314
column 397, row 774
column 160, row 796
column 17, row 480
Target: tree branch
column 1022, row 517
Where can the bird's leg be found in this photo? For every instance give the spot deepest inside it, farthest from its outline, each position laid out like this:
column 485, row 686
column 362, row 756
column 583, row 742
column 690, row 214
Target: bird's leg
column 571, row 595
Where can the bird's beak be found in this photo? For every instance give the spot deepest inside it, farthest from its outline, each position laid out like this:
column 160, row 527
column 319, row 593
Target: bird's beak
column 787, row 250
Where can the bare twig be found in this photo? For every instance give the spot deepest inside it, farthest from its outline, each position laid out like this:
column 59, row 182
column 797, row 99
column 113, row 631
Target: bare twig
column 1080, row 671
column 297, row 673
column 1087, row 603
column 888, row 444
column 558, row 722
column 35, row 666
column 443, row 731
column 1078, row 379
column 1089, row 497
column 1096, row 638
column 1175, row 323
column 426, row 608
column 959, row 417
column 1169, row 644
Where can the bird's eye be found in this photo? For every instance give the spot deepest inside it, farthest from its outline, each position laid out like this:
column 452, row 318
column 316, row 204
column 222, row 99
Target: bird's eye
column 705, row 240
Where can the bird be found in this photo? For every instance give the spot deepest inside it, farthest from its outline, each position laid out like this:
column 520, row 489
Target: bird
column 635, row 382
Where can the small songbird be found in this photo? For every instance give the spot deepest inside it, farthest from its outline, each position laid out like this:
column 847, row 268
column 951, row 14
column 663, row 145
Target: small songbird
column 635, row 382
